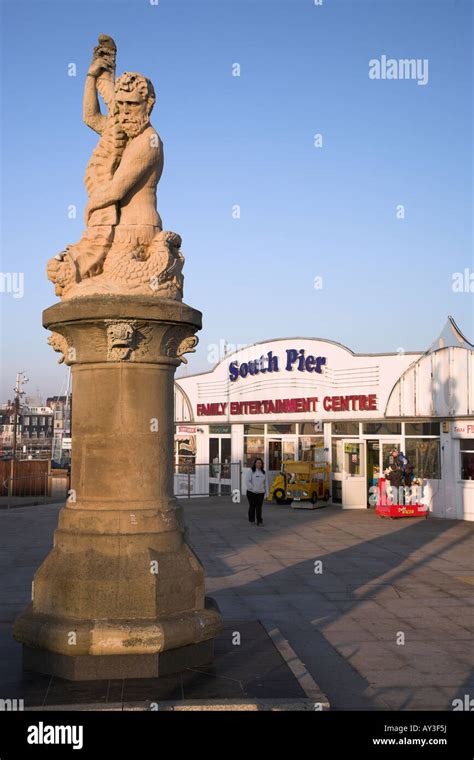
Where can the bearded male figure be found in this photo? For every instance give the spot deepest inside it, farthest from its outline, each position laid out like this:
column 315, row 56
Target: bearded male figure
column 132, row 188
column 123, row 245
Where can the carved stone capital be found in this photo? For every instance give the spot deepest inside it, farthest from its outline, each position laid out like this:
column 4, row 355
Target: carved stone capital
column 121, row 339
column 59, row 343
column 187, row 346
column 123, row 329
column 179, row 340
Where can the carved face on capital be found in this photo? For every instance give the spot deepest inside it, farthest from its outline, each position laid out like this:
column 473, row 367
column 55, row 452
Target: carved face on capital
column 134, row 99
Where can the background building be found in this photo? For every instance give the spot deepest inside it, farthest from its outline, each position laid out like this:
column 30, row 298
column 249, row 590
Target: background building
column 61, row 443
column 43, row 431
column 281, row 399
column 34, row 431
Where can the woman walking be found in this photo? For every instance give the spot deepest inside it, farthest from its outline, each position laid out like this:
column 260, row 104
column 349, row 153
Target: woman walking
column 257, row 487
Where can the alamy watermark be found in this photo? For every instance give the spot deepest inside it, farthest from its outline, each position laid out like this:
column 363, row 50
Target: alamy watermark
column 399, row 68
column 463, row 282
column 12, row 705
column 12, row 282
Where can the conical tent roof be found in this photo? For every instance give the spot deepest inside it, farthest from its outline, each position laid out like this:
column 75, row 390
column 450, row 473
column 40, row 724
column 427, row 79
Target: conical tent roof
column 450, row 335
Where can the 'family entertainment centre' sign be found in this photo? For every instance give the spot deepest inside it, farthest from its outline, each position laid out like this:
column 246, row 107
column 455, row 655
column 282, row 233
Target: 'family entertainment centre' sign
column 358, row 403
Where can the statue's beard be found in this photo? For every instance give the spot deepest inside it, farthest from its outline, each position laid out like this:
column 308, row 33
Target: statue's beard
column 134, row 126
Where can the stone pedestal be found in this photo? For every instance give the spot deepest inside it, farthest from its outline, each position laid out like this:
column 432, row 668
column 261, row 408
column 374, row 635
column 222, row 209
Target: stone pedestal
column 121, row 594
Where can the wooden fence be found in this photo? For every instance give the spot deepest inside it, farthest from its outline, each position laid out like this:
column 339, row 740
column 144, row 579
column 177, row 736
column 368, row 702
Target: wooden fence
column 26, row 477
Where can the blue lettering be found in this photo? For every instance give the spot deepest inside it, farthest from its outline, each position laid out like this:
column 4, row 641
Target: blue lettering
column 253, row 367
column 291, row 357
column 233, row 372
column 272, row 362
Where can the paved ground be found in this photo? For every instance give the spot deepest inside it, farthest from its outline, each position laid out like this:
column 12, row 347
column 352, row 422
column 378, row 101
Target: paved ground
column 381, row 580
column 252, row 675
column 9, row 502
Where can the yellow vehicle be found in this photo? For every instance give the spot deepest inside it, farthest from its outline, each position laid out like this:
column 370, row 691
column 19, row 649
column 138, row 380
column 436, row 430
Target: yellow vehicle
column 301, row 481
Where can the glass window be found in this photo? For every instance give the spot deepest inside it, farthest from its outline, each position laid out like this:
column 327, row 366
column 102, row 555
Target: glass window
column 309, row 428
column 423, row 455
column 467, row 465
column 255, row 429
column 467, row 459
column 186, row 464
column 336, row 487
column 281, row 429
column 275, row 454
column 390, row 452
column 34, row 420
column 421, row 428
column 280, row 451
column 345, row 428
column 373, row 458
column 225, row 458
column 219, row 428
column 289, row 450
column 26, row 420
column 186, row 453
column 336, row 448
column 214, row 467
column 353, row 459
column 382, row 428
column 253, row 447
column 310, row 448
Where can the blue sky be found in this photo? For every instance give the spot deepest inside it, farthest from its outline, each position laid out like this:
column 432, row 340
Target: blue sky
column 306, row 212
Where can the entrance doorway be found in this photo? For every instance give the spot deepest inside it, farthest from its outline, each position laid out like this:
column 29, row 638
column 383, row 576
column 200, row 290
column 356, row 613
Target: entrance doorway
column 219, row 465
column 279, row 450
column 379, row 457
column 373, row 467
column 354, row 485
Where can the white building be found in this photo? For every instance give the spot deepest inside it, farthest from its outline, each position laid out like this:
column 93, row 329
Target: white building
column 280, row 398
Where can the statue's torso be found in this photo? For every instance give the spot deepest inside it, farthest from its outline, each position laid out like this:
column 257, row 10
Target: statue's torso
column 139, row 206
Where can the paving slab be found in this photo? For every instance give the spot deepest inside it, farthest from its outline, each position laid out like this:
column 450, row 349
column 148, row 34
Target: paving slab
column 340, row 626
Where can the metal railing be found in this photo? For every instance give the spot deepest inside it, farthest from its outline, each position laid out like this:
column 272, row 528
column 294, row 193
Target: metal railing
column 42, row 486
column 207, row 478
column 190, row 479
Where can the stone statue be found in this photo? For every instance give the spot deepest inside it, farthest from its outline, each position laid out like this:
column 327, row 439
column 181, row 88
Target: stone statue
column 124, row 249
column 121, row 574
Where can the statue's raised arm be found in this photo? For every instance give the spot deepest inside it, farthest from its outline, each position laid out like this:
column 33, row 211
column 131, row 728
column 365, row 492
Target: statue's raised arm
column 100, row 79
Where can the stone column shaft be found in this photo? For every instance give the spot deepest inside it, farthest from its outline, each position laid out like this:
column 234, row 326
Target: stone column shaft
column 121, row 586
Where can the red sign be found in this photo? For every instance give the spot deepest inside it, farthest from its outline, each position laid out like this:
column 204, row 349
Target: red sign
column 463, row 429
column 290, row 406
